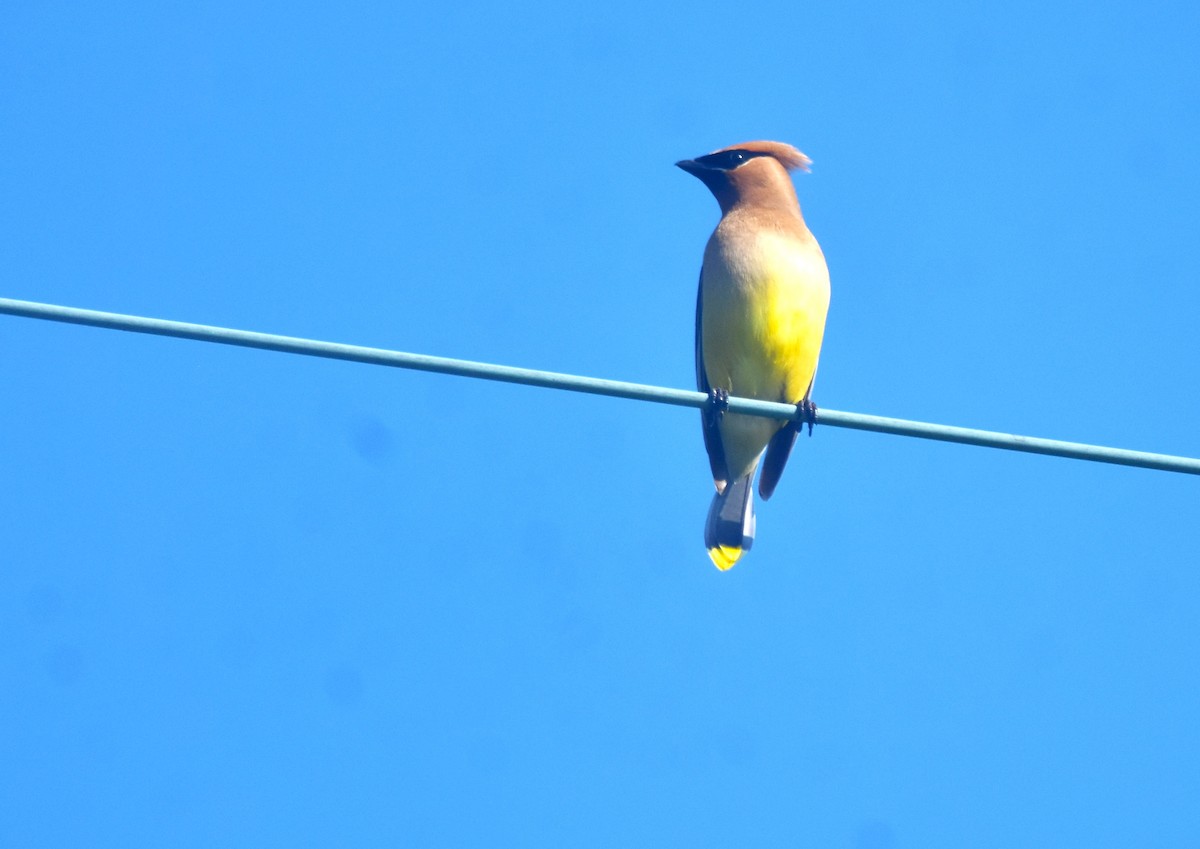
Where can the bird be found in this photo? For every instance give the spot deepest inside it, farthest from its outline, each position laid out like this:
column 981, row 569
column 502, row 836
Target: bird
column 760, row 320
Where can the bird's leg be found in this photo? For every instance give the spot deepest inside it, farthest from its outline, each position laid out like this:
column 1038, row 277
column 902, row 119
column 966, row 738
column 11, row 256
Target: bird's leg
column 711, row 414
column 807, row 414
column 718, row 403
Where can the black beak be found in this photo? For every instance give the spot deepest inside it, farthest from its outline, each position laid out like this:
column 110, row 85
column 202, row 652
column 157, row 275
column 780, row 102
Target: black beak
column 691, row 166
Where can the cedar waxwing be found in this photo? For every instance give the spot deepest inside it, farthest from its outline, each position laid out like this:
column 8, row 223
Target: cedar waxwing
column 760, row 316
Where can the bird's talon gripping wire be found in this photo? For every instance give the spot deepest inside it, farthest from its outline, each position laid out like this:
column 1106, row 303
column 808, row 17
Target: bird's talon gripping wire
column 718, row 403
column 807, row 414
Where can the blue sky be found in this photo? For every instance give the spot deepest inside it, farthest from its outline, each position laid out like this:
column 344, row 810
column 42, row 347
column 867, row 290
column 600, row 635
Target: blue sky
column 251, row 599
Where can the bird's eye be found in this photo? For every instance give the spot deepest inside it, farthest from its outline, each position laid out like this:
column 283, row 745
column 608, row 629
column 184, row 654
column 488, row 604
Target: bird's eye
column 727, row 160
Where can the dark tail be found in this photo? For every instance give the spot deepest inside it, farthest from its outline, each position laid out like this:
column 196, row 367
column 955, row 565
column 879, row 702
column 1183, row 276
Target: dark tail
column 729, row 530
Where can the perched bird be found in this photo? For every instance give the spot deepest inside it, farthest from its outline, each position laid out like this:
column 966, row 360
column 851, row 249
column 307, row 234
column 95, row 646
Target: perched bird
column 760, row 317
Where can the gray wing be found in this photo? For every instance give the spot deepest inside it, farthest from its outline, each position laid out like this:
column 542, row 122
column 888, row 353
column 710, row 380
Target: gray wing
column 709, row 418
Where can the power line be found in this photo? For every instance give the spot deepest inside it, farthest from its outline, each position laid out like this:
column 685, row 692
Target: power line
column 595, row 386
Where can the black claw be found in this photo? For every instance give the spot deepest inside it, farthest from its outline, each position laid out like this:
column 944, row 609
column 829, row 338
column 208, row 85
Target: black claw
column 718, row 403
column 807, row 414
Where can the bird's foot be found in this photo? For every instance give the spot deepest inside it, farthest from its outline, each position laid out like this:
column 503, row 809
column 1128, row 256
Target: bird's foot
column 806, row 414
column 718, row 403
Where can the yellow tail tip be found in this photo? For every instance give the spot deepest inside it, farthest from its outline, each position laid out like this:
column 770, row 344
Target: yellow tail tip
column 724, row 556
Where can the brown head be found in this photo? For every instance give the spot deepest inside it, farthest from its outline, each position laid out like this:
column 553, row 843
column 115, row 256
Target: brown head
column 750, row 173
